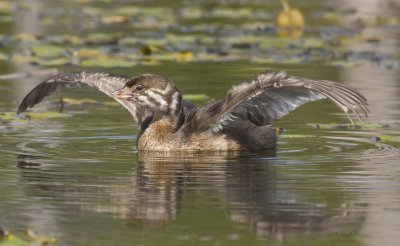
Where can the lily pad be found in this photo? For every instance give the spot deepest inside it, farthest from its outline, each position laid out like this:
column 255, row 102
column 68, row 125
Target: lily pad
column 12, row 240
column 3, row 56
column 21, row 59
column 209, row 33
column 47, row 115
column 333, row 17
column 92, row 11
column 390, row 138
column 43, row 50
column 195, row 97
column 25, row 37
column 343, row 63
column 107, row 62
column 88, row 53
column 28, row 238
column 54, row 62
column 102, row 38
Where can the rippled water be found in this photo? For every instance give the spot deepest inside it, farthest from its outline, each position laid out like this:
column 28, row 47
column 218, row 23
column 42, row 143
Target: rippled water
column 81, row 180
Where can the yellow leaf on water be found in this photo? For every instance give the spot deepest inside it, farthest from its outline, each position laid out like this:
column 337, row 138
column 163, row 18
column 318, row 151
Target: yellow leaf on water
column 289, row 17
column 184, row 56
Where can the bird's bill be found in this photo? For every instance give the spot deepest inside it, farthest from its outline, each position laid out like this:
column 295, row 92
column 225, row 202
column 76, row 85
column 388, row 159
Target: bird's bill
column 121, row 94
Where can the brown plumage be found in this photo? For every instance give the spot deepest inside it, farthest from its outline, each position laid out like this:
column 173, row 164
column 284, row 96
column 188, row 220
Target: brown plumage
column 240, row 121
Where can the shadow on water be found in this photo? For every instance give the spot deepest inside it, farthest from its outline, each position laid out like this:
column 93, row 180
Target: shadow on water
column 168, row 188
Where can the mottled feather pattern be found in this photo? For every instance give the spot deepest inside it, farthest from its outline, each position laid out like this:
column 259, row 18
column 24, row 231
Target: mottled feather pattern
column 272, row 95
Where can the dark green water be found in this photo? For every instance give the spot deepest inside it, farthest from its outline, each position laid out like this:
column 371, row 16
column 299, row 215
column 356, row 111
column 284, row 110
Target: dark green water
column 81, row 180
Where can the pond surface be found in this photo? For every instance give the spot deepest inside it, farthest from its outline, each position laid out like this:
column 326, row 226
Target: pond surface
column 77, row 176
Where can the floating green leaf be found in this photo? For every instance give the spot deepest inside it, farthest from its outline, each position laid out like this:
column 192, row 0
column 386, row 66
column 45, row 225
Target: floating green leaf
column 20, row 59
column 195, row 97
column 390, row 138
column 43, row 50
column 3, row 56
column 102, row 38
column 88, row 53
column 152, row 34
column 12, row 240
column 25, row 37
column 29, row 238
column 108, row 62
column 54, row 62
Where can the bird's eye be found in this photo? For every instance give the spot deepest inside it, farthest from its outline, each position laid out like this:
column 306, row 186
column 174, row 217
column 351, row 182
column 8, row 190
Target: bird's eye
column 139, row 87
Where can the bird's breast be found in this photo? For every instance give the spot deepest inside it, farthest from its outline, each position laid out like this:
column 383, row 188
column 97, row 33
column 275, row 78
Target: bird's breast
column 159, row 136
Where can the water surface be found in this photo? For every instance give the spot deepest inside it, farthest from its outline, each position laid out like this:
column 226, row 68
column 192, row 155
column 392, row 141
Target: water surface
column 81, row 180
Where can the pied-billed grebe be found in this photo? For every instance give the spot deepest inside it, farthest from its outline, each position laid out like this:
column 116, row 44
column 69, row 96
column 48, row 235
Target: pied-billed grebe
column 240, row 121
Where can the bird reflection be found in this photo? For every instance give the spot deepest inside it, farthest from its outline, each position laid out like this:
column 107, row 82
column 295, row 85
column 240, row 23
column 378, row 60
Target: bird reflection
column 248, row 187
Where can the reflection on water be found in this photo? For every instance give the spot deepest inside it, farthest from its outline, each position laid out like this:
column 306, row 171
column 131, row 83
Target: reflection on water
column 248, row 186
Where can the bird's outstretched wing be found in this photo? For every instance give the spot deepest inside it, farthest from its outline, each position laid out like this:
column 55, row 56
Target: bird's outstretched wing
column 270, row 96
column 104, row 82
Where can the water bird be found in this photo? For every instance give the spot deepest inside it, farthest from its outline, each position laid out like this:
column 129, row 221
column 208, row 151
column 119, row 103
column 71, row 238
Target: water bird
column 240, row 121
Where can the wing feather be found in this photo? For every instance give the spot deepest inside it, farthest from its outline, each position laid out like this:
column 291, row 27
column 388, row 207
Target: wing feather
column 272, row 95
column 104, row 82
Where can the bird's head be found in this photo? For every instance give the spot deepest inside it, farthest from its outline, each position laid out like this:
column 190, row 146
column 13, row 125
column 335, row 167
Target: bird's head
column 155, row 92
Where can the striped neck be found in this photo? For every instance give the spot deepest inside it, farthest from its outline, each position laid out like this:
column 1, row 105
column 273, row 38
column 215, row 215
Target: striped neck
column 169, row 107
